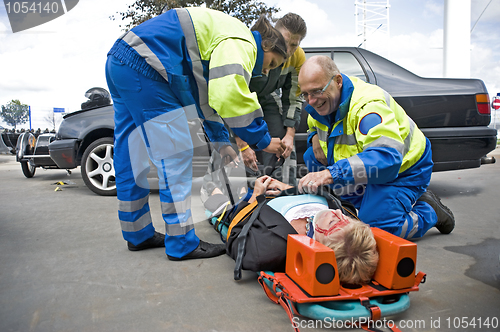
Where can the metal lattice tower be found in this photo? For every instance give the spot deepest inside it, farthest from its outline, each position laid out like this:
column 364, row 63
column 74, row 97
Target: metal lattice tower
column 371, row 17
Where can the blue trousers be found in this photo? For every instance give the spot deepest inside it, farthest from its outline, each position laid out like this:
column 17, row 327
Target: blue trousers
column 393, row 208
column 151, row 123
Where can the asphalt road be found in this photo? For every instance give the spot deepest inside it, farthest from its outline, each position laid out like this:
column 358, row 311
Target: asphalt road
column 65, row 267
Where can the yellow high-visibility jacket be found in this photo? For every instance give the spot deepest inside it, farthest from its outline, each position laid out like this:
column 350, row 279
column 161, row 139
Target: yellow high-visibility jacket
column 370, row 139
column 209, row 57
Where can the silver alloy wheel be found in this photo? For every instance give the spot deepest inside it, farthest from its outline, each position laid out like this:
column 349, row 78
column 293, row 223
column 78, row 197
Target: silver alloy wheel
column 98, row 171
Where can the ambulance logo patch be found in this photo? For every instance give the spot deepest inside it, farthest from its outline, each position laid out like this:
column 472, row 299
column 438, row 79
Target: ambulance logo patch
column 368, row 122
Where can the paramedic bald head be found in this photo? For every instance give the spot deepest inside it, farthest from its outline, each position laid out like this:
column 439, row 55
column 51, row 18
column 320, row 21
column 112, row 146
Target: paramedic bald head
column 321, row 84
column 363, row 142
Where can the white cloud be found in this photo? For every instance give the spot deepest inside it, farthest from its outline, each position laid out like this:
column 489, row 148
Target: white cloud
column 322, row 29
column 486, row 68
column 52, row 65
column 433, row 8
column 419, row 53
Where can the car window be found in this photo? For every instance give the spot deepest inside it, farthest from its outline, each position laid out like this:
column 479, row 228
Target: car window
column 310, row 54
column 349, row 65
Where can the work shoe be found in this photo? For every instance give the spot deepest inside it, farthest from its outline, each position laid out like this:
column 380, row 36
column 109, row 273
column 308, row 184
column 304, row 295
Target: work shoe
column 204, row 250
column 157, row 241
column 446, row 220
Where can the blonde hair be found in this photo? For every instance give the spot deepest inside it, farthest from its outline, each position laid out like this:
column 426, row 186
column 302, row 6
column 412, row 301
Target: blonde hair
column 355, row 251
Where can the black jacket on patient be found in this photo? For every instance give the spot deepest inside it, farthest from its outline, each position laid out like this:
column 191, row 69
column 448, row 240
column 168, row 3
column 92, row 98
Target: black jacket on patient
column 266, row 240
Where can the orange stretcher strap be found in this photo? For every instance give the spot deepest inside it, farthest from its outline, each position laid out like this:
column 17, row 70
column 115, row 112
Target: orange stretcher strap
column 273, row 296
column 288, row 306
column 375, row 312
column 241, row 215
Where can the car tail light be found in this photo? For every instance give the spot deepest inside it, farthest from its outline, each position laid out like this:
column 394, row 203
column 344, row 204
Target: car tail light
column 483, row 104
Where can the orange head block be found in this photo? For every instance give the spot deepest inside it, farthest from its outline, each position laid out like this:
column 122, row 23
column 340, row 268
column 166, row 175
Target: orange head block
column 397, row 260
column 312, row 266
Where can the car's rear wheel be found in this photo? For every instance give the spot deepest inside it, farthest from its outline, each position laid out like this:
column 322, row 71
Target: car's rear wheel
column 98, row 171
column 28, row 169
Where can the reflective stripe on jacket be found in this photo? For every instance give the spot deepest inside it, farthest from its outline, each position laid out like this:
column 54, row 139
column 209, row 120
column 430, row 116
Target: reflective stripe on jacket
column 211, row 51
column 290, row 90
column 370, row 139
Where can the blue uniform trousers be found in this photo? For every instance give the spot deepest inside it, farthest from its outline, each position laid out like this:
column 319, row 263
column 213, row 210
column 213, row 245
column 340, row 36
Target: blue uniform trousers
column 391, row 207
column 151, row 122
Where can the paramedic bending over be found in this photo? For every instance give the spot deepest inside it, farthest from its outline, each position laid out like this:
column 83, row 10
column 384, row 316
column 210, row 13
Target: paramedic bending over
column 184, row 64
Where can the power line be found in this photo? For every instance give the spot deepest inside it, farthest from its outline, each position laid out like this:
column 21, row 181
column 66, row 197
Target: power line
column 480, row 16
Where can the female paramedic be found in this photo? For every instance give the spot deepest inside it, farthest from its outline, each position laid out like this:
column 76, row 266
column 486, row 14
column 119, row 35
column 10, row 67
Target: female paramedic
column 185, row 64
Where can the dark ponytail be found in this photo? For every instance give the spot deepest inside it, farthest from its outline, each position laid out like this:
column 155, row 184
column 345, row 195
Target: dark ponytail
column 272, row 40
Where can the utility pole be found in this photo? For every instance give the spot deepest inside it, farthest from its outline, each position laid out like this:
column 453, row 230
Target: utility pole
column 456, row 41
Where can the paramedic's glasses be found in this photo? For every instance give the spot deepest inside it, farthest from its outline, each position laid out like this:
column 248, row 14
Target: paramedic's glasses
column 316, row 93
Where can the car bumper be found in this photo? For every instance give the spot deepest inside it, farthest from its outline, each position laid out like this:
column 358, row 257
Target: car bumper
column 460, row 147
column 452, row 148
column 63, row 152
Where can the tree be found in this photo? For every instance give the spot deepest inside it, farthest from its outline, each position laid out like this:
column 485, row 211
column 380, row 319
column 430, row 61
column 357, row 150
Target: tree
column 53, row 119
column 15, row 113
column 247, row 11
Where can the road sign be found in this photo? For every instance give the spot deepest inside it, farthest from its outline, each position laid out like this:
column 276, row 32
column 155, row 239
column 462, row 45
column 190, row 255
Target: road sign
column 58, row 110
column 496, row 103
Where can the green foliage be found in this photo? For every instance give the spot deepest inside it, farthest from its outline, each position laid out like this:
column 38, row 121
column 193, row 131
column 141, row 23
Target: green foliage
column 15, row 113
column 247, row 11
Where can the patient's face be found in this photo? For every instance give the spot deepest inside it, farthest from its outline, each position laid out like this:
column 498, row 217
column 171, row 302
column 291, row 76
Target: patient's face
column 327, row 222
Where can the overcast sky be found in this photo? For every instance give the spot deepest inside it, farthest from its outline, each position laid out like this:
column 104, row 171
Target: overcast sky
column 52, row 65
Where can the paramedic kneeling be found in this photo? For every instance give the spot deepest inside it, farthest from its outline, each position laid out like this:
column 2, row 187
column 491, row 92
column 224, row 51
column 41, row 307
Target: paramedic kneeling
column 362, row 141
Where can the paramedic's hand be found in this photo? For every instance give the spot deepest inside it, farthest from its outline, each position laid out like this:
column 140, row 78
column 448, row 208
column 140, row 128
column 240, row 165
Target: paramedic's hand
column 318, row 151
column 288, row 142
column 276, row 147
column 247, row 153
column 249, row 158
column 228, row 155
column 311, row 182
column 276, row 187
column 260, row 187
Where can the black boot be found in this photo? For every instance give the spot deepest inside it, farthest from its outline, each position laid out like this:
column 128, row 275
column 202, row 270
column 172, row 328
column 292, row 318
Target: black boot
column 157, row 241
column 446, row 220
column 204, row 250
